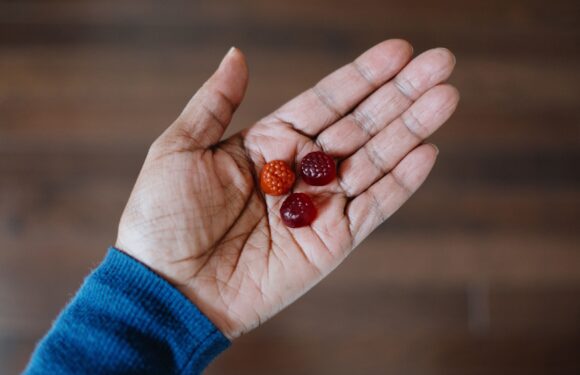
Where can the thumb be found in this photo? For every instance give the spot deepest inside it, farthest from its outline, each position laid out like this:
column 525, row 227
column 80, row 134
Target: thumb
column 210, row 110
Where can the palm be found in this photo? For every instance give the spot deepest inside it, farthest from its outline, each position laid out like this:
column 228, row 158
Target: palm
column 222, row 241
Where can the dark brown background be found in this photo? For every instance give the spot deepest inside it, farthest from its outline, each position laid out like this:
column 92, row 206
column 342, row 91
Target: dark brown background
column 478, row 274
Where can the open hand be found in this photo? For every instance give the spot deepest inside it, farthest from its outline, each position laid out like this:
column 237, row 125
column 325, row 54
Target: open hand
column 198, row 218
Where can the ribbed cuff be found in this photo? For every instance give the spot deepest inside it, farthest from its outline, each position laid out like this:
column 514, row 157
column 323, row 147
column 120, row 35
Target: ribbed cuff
column 126, row 319
column 161, row 309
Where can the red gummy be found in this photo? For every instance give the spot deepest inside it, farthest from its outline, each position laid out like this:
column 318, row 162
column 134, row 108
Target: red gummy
column 298, row 210
column 317, row 168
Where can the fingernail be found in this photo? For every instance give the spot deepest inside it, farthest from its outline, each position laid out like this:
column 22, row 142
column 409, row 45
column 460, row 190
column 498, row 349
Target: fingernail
column 436, row 149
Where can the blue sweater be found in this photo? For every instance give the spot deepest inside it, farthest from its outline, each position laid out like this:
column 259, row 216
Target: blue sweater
column 126, row 319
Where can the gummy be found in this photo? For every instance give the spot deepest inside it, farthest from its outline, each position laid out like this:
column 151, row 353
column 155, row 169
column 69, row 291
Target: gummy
column 298, row 210
column 317, row 168
column 276, row 178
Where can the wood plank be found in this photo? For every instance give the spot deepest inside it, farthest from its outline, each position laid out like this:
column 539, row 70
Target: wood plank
column 14, row 353
column 493, row 26
column 402, row 355
column 535, row 310
column 91, row 98
column 136, row 70
column 422, row 355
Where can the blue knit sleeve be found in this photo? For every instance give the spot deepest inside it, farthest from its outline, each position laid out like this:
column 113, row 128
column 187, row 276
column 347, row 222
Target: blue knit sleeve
column 126, row 319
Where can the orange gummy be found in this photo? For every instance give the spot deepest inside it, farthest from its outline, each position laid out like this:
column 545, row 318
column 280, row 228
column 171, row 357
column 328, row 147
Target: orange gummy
column 276, row 178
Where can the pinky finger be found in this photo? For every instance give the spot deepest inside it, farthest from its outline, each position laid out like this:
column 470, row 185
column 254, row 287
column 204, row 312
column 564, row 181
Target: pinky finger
column 387, row 195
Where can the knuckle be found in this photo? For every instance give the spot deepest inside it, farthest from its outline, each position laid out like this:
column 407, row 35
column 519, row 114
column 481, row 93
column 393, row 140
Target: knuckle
column 405, row 87
column 414, row 125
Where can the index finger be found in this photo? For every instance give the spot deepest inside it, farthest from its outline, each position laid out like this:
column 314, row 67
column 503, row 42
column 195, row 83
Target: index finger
column 339, row 92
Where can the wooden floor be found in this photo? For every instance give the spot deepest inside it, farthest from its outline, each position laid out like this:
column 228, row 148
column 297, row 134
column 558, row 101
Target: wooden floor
column 478, row 274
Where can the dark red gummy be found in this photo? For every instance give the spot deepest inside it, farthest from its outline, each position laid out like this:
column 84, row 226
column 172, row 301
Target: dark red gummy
column 298, row 210
column 317, row 168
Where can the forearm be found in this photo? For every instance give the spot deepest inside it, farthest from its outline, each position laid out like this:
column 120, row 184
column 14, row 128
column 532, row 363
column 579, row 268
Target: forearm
column 127, row 319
